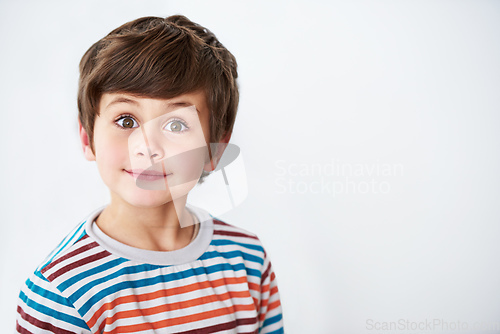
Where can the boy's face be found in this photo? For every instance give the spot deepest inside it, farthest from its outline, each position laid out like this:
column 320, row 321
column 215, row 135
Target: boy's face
column 151, row 151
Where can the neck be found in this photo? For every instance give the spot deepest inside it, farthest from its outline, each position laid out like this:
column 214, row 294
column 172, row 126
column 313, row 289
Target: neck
column 162, row 228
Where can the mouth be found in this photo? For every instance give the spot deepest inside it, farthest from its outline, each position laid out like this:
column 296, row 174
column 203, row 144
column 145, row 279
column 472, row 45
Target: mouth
column 146, row 174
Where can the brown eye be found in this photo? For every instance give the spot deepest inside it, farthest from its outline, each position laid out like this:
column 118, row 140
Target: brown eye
column 176, row 126
column 127, row 122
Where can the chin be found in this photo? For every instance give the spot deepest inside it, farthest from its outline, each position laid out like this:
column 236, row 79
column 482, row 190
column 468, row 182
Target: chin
column 149, row 199
column 182, row 189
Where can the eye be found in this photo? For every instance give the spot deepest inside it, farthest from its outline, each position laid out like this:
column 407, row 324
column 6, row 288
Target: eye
column 127, row 122
column 176, row 126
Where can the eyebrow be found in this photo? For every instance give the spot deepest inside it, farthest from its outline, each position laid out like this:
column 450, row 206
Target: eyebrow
column 122, row 99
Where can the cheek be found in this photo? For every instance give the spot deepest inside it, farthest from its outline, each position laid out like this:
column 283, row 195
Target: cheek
column 187, row 168
column 190, row 163
column 111, row 154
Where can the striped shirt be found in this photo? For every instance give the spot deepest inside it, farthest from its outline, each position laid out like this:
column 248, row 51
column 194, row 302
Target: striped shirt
column 222, row 282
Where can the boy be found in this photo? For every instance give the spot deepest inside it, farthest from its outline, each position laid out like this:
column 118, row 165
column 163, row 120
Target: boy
column 153, row 95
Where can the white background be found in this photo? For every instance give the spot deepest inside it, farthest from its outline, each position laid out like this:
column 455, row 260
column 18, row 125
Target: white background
column 413, row 84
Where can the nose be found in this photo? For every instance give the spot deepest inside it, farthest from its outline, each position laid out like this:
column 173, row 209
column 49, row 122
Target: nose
column 150, row 152
column 147, row 144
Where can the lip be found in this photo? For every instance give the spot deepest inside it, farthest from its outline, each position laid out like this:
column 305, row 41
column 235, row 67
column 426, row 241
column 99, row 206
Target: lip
column 147, row 175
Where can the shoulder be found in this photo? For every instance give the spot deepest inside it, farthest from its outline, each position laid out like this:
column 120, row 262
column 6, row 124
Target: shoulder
column 42, row 302
column 229, row 230
column 231, row 239
column 72, row 249
column 65, row 246
column 225, row 234
column 223, row 230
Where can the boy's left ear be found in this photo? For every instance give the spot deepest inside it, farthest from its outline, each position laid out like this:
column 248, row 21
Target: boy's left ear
column 216, row 155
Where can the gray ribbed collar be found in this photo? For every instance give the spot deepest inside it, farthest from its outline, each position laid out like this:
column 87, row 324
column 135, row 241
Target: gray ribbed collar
column 180, row 256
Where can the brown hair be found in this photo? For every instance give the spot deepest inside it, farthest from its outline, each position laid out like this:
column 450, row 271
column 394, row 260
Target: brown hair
column 160, row 58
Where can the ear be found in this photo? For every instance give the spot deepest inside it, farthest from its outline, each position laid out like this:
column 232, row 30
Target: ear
column 216, row 155
column 84, row 139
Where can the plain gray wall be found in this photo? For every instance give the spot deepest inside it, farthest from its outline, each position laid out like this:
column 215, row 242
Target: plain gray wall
column 369, row 132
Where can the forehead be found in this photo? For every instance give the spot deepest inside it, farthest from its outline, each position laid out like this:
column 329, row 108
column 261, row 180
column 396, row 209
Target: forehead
column 113, row 101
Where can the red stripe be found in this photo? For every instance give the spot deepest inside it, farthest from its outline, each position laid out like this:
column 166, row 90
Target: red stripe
column 101, row 327
column 40, row 324
column 22, row 330
column 256, row 302
column 265, row 273
column 235, row 234
column 273, row 305
column 274, row 291
column 263, row 304
column 265, row 288
column 220, row 222
column 163, row 293
column 69, row 255
column 85, row 236
column 254, row 286
column 79, row 263
column 169, row 307
column 220, row 327
column 183, row 319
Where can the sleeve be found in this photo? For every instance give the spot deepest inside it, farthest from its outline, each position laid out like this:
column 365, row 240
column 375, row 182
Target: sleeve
column 270, row 314
column 42, row 309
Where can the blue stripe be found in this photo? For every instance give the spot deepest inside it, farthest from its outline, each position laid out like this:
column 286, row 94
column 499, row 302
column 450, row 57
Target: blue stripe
column 103, row 267
column 278, row 331
column 47, row 294
column 148, row 267
column 121, row 272
column 53, row 313
column 253, row 272
column 40, row 276
column 64, row 243
column 225, row 242
column 128, row 284
column 273, row 320
column 250, row 271
column 232, row 255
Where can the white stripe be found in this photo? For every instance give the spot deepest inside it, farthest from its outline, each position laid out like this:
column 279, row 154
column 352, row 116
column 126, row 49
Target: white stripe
column 73, row 259
column 232, row 228
column 154, row 273
column 186, row 296
column 45, row 301
column 166, row 286
column 67, row 242
column 172, row 329
column 272, row 327
column 87, row 277
column 242, row 239
column 45, row 318
column 235, row 247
